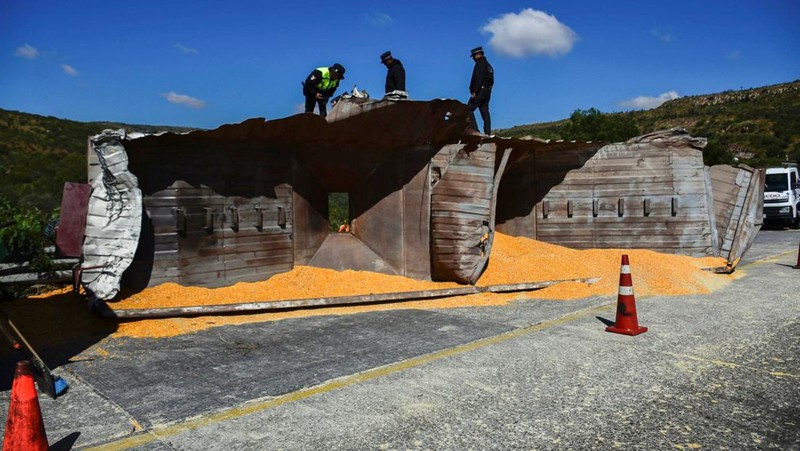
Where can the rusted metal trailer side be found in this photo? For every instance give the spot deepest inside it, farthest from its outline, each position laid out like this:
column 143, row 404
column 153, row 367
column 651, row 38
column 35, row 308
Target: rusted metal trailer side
column 220, row 212
column 246, row 201
column 249, row 200
column 651, row 192
column 534, row 169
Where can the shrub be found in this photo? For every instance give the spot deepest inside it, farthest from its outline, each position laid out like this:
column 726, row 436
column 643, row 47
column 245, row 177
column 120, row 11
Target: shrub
column 24, row 237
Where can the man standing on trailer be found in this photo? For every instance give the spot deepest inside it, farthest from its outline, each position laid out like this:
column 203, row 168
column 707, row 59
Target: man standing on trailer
column 480, row 90
column 395, row 74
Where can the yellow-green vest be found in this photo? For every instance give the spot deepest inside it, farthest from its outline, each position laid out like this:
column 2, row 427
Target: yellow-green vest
column 326, row 83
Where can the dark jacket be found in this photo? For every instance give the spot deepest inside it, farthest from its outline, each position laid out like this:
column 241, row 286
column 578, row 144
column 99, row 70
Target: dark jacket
column 310, row 85
column 395, row 77
column 482, row 77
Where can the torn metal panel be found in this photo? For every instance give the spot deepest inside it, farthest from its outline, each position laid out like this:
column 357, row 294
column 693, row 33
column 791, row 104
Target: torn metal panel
column 462, row 210
column 738, row 194
column 114, row 218
column 672, row 138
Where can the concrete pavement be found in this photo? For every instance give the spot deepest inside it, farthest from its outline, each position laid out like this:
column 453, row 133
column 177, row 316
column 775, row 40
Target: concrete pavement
column 713, row 371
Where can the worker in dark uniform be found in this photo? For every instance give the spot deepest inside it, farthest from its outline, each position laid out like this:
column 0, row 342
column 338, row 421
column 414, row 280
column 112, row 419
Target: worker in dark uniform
column 395, row 74
column 320, row 86
column 480, row 90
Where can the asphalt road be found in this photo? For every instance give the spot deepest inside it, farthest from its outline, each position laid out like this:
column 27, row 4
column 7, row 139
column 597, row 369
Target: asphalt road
column 717, row 371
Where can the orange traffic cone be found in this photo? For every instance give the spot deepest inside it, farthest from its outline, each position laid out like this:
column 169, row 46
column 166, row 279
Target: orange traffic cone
column 24, row 427
column 627, row 323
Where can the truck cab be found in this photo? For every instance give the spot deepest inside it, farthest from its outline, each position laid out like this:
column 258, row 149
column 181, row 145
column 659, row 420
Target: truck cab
column 782, row 196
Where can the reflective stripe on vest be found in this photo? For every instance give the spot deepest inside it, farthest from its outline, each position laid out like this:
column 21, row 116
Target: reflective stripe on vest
column 326, row 83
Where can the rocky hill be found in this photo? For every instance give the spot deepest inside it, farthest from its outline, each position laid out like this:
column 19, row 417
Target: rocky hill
column 759, row 126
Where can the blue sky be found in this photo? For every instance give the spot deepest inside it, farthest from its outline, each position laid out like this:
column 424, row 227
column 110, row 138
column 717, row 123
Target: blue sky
column 207, row 63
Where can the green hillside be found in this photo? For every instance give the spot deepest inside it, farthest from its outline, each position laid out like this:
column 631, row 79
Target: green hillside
column 39, row 153
column 759, row 127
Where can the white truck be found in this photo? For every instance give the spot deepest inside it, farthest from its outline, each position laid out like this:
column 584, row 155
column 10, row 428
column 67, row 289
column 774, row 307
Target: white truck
column 782, row 196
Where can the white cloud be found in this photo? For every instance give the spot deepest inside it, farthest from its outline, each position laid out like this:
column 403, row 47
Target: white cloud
column 530, row 32
column 185, row 49
column 646, row 103
column 734, row 55
column 182, row 99
column 378, row 19
column 662, row 34
column 69, row 70
column 299, row 108
column 27, row 51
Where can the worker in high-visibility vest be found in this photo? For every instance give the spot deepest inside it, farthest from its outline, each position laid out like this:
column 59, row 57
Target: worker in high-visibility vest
column 320, row 86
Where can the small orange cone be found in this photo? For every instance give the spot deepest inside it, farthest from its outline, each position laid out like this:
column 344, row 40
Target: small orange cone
column 627, row 323
column 24, row 427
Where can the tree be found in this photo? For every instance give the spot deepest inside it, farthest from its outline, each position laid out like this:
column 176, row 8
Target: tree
column 338, row 210
column 716, row 153
column 592, row 125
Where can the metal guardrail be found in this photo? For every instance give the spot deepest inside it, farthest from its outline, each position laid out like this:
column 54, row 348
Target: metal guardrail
column 21, row 273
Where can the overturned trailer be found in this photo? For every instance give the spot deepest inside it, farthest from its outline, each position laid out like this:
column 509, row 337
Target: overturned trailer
column 246, row 201
column 651, row 192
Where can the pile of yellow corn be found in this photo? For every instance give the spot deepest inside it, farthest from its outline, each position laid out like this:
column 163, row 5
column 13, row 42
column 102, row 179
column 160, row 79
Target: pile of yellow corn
column 513, row 260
